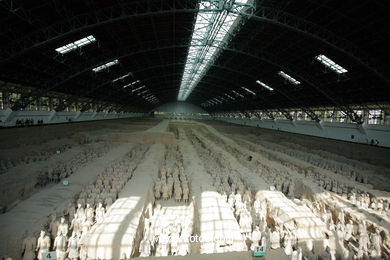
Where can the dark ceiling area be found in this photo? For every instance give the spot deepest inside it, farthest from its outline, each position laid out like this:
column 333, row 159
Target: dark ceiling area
column 151, row 39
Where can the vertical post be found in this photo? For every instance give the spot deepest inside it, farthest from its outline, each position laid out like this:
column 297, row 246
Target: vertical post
column 366, row 116
column 6, row 100
column 50, row 103
column 387, row 116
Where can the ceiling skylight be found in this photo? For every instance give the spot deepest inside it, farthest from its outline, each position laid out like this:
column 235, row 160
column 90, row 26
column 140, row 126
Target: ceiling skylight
column 232, row 98
column 136, row 89
column 330, row 64
column 264, row 85
column 248, row 90
column 105, row 66
column 213, row 28
column 122, row 77
column 289, row 78
column 76, row 44
column 237, row 94
column 131, row 84
column 127, row 85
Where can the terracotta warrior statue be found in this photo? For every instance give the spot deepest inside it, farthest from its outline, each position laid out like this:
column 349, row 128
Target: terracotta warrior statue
column 43, row 244
column 28, row 247
column 73, row 247
column 60, row 245
column 63, row 227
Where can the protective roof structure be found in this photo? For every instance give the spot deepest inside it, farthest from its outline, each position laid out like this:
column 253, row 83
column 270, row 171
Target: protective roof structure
column 212, row 53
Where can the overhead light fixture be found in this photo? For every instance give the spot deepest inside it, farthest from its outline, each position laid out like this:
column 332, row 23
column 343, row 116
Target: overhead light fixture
column 76, row 44
column 330, row 64
column 264, row 85
column 106, row 66
column 289, row 78
column 248, row 90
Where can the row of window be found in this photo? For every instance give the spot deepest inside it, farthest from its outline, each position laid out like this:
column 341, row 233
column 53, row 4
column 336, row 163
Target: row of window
column 370, row 116
column 7, row 99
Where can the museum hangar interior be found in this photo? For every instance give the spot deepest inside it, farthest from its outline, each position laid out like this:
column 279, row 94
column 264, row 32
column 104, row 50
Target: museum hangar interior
column 197, row 129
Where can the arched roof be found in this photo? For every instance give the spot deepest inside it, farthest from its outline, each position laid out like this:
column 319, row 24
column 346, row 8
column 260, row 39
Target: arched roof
column 151, row 40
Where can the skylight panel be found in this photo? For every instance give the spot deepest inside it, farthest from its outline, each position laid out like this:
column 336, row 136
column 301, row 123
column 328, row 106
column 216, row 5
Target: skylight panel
column 76, row 44
column 105, row 66
column 127, row 85
column 143, row 92
column 150, row 98
column 330, row 64
column 289, row 78
column 217, row 100
column 248, row 90
column 213, row 27
column 232, row 98
column 122, row 77
column 136, row 89
column 264, row 85
column 223, row 99
column 237, row 94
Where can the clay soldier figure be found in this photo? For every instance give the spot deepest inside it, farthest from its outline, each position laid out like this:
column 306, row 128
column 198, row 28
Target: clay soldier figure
column 145, row 248
column 60, row 245
column 73, row 247
column 157, row 190
column 341, row 217
column 275, row 238
column 376, row 241
column 175, row 237
column 183, row 245
column 100, row 211
column 326, row 255
column 89, row 213
column 348, row 231
column 288, row 242
column 70, row 211
column 297, row 254
column 256, row 237
column 53, row 226
column 265, row 239
column 80, row 211
column 311, row 255
column 165, row 190
column 185, row 193
column 43, row 244
column 63, row 227
column 75, row 225
column 178, row 192
column 29, row 245
column 86, row 225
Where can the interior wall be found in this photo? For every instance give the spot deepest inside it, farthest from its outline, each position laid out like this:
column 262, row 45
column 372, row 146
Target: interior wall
column 180, row 110
column 8, row 117
column 365, row 134
column 179, row 107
